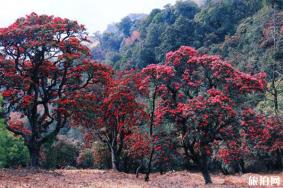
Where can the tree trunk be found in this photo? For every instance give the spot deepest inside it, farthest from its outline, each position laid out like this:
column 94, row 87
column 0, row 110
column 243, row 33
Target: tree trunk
column 206, row 175
column 279, row 165
column 149, row 166
column 114, row 160
column 242, row 166
column 34, row 155
column 138, row 169
column 161, row 170
column 204, row 170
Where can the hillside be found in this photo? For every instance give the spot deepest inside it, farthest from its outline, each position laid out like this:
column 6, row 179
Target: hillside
column 207, row 28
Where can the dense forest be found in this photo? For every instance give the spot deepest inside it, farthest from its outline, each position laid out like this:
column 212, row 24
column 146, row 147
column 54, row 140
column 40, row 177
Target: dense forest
column 185, row 87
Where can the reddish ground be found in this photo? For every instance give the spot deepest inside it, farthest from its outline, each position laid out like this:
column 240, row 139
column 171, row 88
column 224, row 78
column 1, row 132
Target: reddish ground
column 108, row 179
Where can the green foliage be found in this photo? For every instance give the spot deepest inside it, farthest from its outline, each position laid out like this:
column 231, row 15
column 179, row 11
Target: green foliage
column 125, row 26
column 267, row 105
column 251, row 47
column 101, row 155
column 110, row 41
column 220, row 18
column 184, row 23
column 13, row 152
column 85, row 159
column 163, row 31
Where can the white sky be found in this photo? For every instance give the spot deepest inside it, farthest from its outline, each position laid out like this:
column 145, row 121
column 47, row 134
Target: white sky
column 94, row 14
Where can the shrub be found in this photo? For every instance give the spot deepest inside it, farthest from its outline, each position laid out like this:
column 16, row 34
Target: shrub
column 13, row 152
column 101, row 155
column 85, row 159
column 61, row 153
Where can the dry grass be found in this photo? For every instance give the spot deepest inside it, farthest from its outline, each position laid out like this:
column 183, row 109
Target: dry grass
column 107, row 179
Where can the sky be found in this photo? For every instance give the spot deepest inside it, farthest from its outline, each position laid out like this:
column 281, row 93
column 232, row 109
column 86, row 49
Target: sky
column 94, row 14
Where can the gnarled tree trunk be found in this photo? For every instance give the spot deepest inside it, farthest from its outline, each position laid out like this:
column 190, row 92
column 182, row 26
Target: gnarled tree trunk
column 34, row 149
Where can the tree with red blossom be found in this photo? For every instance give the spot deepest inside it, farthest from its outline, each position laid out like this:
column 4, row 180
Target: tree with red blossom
column 112, row 116
column 150, row 83
column 204, row 98
column 263, row 134
column 137, row 147
column 120, row 113
column 148, row 150
column 43, row 62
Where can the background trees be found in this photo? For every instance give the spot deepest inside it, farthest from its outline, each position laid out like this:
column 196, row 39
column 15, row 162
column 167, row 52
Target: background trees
column 205, row 27
column 246, row 33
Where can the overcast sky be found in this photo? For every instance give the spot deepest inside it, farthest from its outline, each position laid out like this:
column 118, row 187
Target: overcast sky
column 94, row 14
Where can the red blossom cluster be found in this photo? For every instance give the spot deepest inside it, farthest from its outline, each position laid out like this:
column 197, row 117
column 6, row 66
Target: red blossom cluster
column 18, row 123
column 137, row 145
column 262, row 133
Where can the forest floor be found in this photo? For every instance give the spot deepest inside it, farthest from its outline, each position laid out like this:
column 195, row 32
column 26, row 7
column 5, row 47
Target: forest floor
column 108, row 179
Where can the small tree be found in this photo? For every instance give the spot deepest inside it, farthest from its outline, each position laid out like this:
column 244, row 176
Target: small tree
column 43, row 63
column 112, row 116
column 120, row 113
column 153, row 78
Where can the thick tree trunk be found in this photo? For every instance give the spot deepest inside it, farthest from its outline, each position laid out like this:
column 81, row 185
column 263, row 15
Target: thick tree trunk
column 204, row 170
column 206, row 175
column 34, row 155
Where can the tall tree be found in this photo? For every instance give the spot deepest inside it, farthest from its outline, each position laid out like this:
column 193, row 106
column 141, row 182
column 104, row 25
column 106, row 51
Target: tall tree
column 43, row 63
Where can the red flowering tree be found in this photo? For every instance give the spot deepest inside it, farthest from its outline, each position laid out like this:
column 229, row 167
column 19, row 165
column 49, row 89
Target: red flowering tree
column 149, row 150
column 120, row 113
column 43, row 63
column 152, row 85
column 137, row 147
column 204, row 98
column 114, row 115
column 263, row 134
